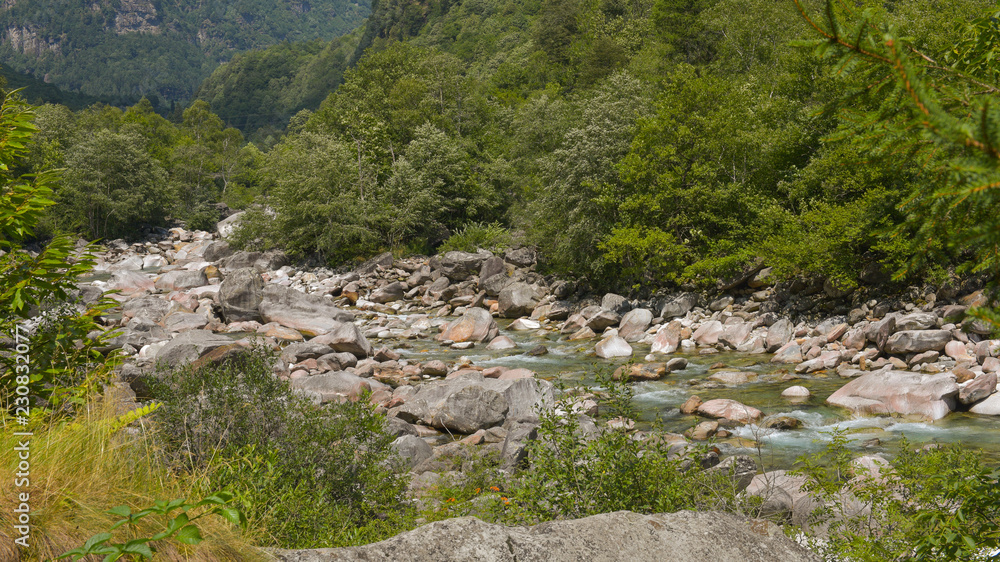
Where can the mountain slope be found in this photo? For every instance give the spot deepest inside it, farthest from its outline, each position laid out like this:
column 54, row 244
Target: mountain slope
column 155, row 47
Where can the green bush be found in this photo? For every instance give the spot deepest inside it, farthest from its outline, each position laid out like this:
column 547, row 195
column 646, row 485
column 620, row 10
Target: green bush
column 475, row 236
column 935, row 503
column 304, row 475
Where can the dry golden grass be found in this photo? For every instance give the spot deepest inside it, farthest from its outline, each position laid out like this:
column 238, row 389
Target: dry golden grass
column 81, row 469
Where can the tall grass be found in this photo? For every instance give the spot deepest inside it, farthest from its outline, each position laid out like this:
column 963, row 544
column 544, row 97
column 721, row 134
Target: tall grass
column 82, row 467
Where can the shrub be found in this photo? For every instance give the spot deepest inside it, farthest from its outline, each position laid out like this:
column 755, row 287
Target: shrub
column 304, row 475
column 938, row 503
column 475, row 236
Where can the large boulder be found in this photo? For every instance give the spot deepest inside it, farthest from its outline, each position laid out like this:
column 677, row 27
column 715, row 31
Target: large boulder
column 917, row 341
column 724, row 408
column 457, row 266
column 392, row 292
column 898, row 392
column 779, row 334
column 347, row 338
column 216, row 251
column 470, row 402
column 634, row 324
column 189, row 346
column 240, row 295
column 668, row 337
column 679, row 305
column 228, row 225
column 332, row 387
column 708, row 333
column 130, row 283
column 309, row 314
column 684, row 536
column 475, row 325
column 150, row 307
column 261, row 261
column 383, row 260
column 613, row 347
column 516, row 300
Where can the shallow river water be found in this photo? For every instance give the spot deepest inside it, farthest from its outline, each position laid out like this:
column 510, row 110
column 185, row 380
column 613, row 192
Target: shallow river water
column 574, row 364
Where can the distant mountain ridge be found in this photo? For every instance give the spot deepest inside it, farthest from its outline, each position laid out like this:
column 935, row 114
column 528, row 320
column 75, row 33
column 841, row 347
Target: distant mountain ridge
column 156, row 48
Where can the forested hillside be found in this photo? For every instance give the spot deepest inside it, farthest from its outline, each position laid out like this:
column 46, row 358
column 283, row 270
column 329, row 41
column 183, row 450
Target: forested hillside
column 638, row 143
column 133, row 48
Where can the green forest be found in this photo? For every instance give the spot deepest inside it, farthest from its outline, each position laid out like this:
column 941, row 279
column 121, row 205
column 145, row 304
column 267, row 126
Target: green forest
column 159, row 49
column 638, row 144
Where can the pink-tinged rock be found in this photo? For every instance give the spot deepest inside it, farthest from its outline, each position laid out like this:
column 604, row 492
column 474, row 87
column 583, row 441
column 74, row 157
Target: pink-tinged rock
column 640, row 372
column 778, row 335
column 501, row 343
column 732, row 378
column 825, row 360
column 855, row 339
column 524, row 324
column 917, row 341
column 836, row 332
column 634, row 323
column 708, row 333
column 131, row 283
column 724, row 408
column 796, row 392
column 956, row 350
column 583, row 333
column 894, row 392
column 988, row 407
column 184, row 321
column 346, row 337
column 978, row 388
column 514, row 374
column 667, row 338
column 179, row 280
column 991, row 364
column 493, row 372
column 790, row 353
column 475, row 325
column 733, row 335
column 279, row 332
column 613, row 347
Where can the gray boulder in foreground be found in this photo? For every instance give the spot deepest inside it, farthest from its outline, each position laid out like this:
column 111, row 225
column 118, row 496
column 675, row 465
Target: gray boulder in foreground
column 685, row 536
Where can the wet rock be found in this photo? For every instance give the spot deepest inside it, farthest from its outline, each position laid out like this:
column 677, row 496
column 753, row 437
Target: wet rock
column 892, row 392
column 537, row 351
column 501, row 343
column 584, row 333
column 690, row 406
column 677, row 364
column 781, row 423
column 523, row 324
column 724, row 408
column 640, row 372
column 475, row 325
column 613, row 347
column 796, row 392
column 240, row 295
column 917, row 341
column 703, row 431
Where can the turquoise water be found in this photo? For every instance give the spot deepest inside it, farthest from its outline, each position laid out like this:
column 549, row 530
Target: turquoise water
column 574, row 364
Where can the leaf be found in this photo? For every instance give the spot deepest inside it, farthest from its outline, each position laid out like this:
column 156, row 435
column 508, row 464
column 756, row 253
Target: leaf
column 121, row 511
column 189, row 535
column 95, row 540
column 140, row 547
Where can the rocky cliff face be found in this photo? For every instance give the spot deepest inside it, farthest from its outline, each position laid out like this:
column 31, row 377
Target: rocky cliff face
column 137, row 16
column 26, row 40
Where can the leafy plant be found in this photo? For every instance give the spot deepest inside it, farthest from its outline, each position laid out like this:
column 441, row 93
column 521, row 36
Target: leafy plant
column 304, row 475
column 180, row 527
column 476, row 236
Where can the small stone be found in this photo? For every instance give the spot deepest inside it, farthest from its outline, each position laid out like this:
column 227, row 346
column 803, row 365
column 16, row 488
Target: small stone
column 796, row 392
column 537, row 351
column 690, row 405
